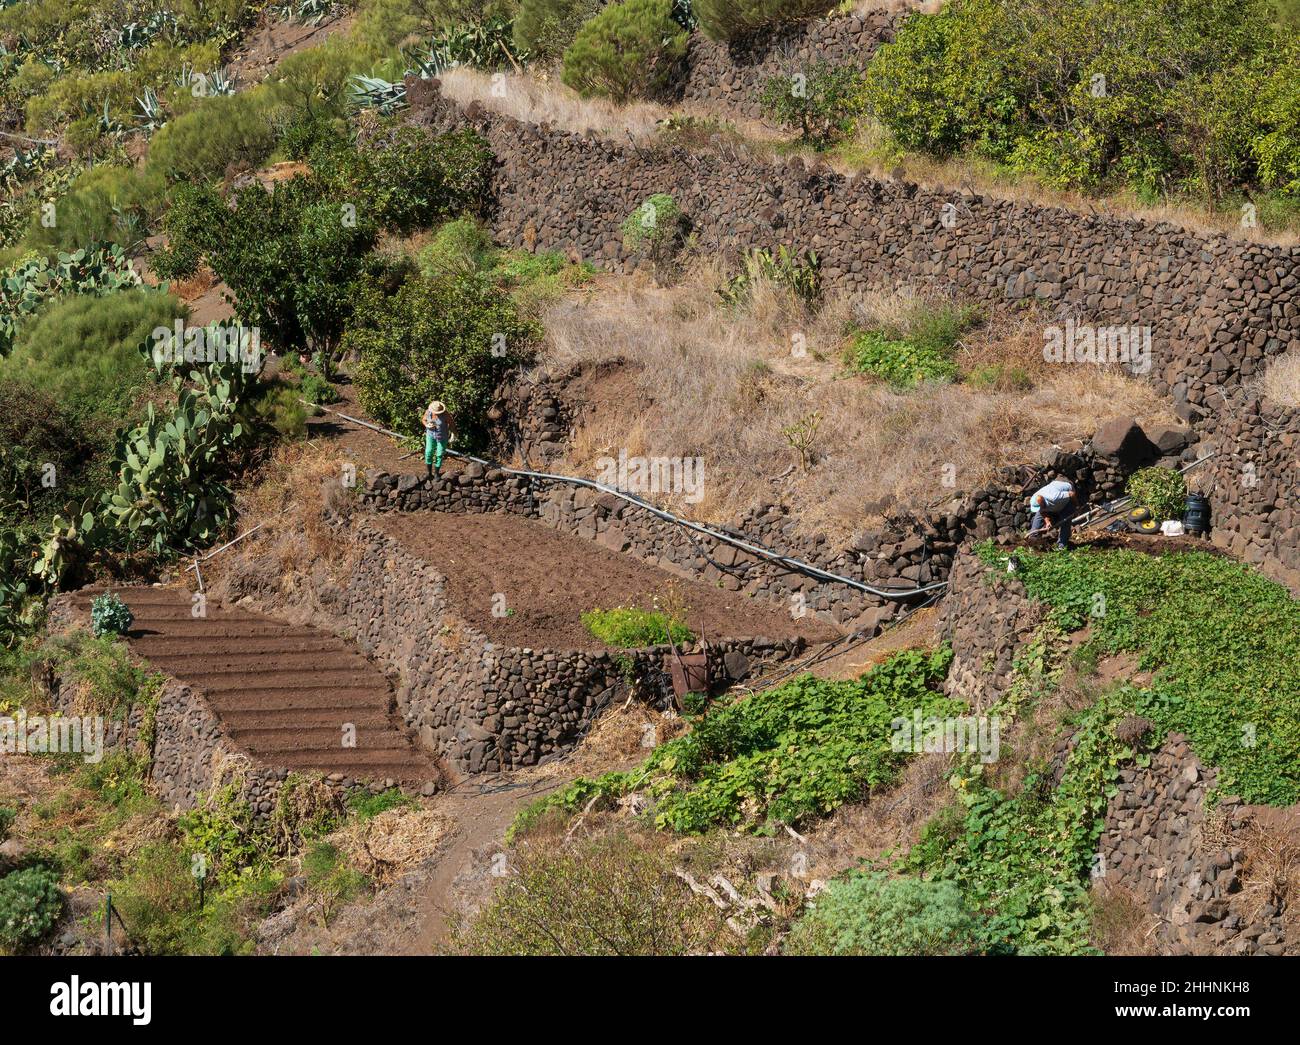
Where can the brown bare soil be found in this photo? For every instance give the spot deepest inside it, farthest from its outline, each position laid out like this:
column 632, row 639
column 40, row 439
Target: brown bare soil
column 285, row 692
column 548, row 579
column 273, row 41
column 1102, row 540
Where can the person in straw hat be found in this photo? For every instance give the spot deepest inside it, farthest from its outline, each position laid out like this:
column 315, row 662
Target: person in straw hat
column 437, row 434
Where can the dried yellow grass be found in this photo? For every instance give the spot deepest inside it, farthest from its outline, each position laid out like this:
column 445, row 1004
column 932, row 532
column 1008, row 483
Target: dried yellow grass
column 387, row 846
column 722, row 384
column 533, row 99
column 1280, row 382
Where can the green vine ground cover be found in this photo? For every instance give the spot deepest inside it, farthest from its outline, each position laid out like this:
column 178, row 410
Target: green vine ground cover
column 1220, row 640
column 781, row 756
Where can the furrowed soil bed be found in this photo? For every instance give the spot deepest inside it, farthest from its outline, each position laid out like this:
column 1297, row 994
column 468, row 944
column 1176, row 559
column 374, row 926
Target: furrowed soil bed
column 548, row 579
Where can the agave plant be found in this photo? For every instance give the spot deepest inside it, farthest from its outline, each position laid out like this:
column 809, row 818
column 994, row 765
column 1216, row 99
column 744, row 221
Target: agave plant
column 107, row 122
column 151, row 115
column 21, row 165
column 220, row 83
column 313, row 10
column 370, row 92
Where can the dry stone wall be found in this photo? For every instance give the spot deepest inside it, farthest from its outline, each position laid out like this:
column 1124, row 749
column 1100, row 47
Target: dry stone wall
column 728, row 75
column 988, row 619
column 1253, row 483
column 481, row 706
column 1188, row 865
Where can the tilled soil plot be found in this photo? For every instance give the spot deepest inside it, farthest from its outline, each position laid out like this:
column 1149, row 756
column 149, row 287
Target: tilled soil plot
column 285, row 692
column 543, row 580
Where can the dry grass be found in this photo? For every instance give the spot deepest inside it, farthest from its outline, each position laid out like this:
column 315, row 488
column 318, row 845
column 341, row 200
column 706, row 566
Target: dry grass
column 1121, row 923
column 889, row 822
column 532, row 99
column 1272, row 868
column 1280, row 381
column 392, row 843
column 705, row 380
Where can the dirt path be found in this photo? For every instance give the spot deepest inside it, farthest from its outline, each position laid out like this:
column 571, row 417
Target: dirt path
column 290, row 695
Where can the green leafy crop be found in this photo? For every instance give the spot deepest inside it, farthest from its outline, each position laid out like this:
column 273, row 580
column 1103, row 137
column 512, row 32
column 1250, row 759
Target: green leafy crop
column 780, row 756
column 1163, row 490
column 1219, row 639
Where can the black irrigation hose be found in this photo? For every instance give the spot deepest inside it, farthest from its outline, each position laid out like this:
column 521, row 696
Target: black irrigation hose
column 792, row 565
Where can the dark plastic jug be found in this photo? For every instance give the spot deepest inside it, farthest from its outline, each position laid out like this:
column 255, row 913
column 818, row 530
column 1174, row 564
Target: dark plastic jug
column 1197, row 517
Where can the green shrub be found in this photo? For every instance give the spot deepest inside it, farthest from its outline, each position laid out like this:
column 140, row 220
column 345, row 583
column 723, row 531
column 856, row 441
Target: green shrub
column 105, row 204
column 544, row 28
column 630, row 50
column 331, row 881
column 1163, row 490
column 405, row 177
column 37, row 430
column 234, row 132
column 655, row 230
column 903, row 363
column 7, row 817
column 315, row 389
column 631, row 628
column 822, row 104
column 447, row 339
column 33, row 281
column 85, row 350
column 158, row 900
column 30, row 904
column 726, row 19
column 873, row 914
column 607, row 895
column 1049, row 90
column 280, row 409
column 109, row 615
column 459, row 247
column 534, row 279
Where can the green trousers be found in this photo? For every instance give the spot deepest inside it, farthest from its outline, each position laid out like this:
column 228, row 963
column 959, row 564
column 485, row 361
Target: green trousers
column 433, row 449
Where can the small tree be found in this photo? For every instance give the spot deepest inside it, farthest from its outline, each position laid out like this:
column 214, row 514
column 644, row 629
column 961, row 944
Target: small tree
column 544, row 28
column 655, row 230
column 629, row 50
column 802, row 437
column 821, row 104
column 451, row 339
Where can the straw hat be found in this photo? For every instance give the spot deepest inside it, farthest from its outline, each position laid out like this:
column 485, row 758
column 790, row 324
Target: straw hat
column 436, row 408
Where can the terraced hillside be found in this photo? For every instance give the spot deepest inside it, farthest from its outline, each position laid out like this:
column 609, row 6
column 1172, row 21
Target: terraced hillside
column 285, row 692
